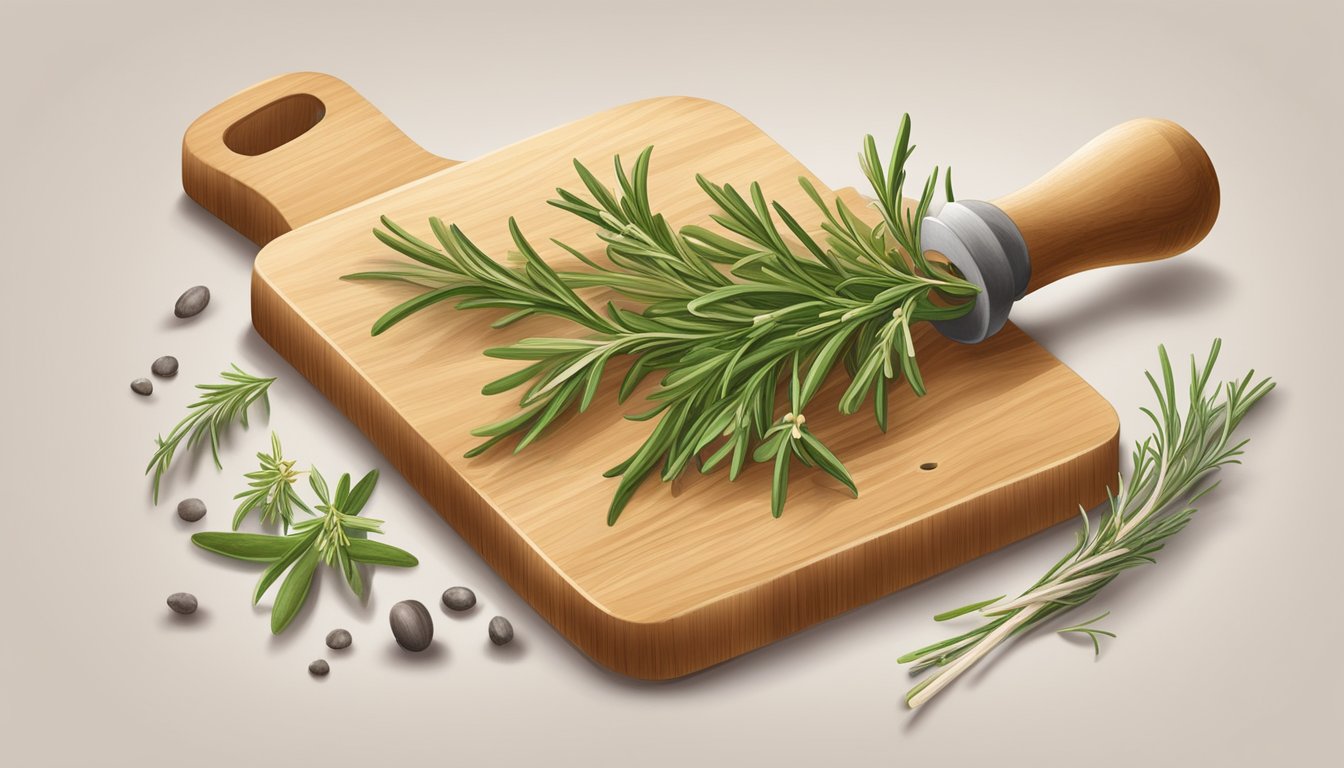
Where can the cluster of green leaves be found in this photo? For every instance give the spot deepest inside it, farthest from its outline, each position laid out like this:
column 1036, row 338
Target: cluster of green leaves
column 338, row 538
column 724, row 319
column 220, row 405
column 271, row 490
column 1170, row 468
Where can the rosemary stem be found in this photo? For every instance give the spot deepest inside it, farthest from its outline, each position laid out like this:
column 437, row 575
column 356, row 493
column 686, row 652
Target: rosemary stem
column 944, row 677
column 944, row 650
column 1092, row 562
column 1153, row 500
column 1045, row 594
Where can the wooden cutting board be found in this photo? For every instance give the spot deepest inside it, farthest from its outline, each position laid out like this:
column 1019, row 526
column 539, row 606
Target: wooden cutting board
column 1007, row 442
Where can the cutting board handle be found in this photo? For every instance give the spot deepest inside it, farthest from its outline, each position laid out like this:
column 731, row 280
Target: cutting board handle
column 293, row 149
column 1143, row 190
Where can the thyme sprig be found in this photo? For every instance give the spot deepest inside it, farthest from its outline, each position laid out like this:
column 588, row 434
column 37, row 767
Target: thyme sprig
column 271, row 490
column 220, row 405
column 338, row 538
column 1170, row 468
column 724, row 319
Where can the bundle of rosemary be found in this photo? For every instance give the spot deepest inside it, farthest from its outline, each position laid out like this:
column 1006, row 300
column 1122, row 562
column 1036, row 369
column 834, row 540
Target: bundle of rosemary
column 723, row 319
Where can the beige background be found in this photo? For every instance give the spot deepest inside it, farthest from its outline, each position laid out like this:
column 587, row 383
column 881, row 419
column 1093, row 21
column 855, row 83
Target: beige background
column 1227, row 648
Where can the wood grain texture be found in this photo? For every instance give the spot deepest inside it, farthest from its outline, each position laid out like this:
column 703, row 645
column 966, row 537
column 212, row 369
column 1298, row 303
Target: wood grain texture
column 1141, row 191
column 699, row 572
column 292, row 149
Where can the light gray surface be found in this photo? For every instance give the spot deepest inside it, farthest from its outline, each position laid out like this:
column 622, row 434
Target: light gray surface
column 1226, row 654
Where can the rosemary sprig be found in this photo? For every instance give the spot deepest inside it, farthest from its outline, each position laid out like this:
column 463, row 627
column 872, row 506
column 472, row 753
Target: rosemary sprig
column 271, row 490
column 1170, row 467
column 723, row 321
column 220, row 405
column 337, row 538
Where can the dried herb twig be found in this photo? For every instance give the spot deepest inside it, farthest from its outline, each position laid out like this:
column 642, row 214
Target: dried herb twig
column 220, row 405
column 1170, row 468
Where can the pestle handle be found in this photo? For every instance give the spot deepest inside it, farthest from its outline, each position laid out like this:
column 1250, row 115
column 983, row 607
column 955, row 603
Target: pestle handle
column 1141, row 191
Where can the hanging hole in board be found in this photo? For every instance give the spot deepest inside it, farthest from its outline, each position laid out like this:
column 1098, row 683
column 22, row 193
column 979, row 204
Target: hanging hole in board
column 928, row 465
column 275, row 124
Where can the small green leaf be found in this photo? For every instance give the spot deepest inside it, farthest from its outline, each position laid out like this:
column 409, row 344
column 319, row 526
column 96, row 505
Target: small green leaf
column 251, row 500
column 823, row 457
column 770, row 446
column 411, row 306
column 255, row 547
column 779, row 489
column 359, row 495
column 268, row 577
column 965, row 609
column 515, row 379
column 342, row 492
column 351, row 571
column 1091, row 632
column 293, row 591
column 823, row 364
column 378, row 553
column 319, row 485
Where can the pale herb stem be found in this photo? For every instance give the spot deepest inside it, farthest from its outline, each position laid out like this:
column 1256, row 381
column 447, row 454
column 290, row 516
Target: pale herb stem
column 1093, row 562
column 1154, row 502
column 1169, row 468
column 1044, row 594
column 944, row 677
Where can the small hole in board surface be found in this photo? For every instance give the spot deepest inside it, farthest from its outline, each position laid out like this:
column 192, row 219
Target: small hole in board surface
column 275, row 124
column 928, row 465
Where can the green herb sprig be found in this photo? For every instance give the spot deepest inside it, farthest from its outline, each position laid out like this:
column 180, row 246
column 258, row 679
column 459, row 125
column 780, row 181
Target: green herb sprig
column 338, row 538
column 271, row 490
column 1170, row 468
column 723, row 319
column 220, row 405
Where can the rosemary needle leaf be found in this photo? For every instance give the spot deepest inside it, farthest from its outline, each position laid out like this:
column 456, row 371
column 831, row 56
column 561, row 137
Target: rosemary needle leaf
column 343, row 491
column 293, row 591
column 378, row 553
column 965, row 609
column 319, row 485
column 359, row 495
column 351, row 572
column 411, row 306
column 296, row 550
column 1091, row 632
column 822, row 457
column 244, row 546
column 1170, row 468
column 515, row 379
column 779, row 489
